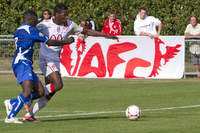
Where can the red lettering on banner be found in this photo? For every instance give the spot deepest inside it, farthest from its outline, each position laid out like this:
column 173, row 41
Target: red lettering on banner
column 170, row 53
column 86, row 67
column 113, row 58
column 66, row 58
column 80, row 48
column 157, row 57
column 133, row 64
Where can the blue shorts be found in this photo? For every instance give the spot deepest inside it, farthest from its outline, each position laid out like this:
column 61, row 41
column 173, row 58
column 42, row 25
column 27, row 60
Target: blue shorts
column 24, row 72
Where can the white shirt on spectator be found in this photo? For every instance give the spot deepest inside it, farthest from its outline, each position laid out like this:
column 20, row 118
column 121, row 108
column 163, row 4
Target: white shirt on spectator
column 193, row 30
column 147, row 25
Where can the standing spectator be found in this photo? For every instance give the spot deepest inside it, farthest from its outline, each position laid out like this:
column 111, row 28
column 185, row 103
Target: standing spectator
column 193, row 29
column 112, row 25
column 146, row 25
column 46, row 15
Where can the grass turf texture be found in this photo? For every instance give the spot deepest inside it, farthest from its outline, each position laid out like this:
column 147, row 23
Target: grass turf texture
column 103, row 95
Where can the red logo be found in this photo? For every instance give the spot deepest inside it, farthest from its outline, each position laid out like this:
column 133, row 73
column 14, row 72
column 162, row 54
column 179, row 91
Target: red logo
column 108, row 63
column 58, row 29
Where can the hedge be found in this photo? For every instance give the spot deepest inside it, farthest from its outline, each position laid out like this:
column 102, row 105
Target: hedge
column 173, row 14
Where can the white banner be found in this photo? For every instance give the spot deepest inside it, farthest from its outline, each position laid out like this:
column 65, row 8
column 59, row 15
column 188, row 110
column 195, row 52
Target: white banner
column 131, row 57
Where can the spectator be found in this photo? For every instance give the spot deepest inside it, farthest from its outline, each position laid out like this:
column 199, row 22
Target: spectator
column 112, row 25
column 46, row 15
column 82, row 24
column 146, row 25
column 88, row 23
column 193, row 29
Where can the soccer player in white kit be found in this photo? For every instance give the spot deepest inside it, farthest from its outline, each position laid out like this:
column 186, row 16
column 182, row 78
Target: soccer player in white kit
column 58, row 28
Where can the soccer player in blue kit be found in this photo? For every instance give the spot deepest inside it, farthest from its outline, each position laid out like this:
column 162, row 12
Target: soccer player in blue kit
column 25, row 37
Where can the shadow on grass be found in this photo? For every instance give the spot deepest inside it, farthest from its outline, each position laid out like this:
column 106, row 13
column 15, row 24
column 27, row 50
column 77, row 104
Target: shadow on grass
column 84, row 118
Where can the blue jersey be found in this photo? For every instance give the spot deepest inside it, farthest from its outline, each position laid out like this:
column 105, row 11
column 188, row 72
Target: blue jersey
column 25, row 37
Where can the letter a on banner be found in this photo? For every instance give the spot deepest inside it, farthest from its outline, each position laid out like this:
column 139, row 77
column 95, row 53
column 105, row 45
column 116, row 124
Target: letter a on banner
column 86, row 66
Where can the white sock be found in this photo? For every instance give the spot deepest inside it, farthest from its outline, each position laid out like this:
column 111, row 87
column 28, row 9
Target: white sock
column 49, row 88
column 39, row 104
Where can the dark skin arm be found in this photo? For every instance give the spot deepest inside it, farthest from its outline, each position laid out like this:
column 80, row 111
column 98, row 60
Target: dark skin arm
column 86, row 31
column 60, row 42
column 98, row 34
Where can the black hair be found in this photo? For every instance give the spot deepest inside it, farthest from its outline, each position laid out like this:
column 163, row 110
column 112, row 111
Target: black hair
column 42, row 17
column 59, row 8
column 28, row 14
column 46, row 10
column 142, row 8
column 88, row 24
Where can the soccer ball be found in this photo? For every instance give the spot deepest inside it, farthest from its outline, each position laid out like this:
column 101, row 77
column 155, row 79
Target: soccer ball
column 133, row 112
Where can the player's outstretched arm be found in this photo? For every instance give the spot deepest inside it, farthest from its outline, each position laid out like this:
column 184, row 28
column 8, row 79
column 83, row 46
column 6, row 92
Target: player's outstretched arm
column 99, row 34
column 51, row 42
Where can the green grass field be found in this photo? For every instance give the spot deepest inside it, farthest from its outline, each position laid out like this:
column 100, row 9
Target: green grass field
column 97, row 105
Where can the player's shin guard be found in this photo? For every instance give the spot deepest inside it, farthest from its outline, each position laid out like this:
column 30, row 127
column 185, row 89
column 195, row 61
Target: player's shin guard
column 49, row 88
column 39, row 104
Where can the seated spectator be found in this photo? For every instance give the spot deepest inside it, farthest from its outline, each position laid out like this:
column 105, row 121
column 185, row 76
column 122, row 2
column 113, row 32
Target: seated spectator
column 193, row 29
column 146, row 25
column 112, row 25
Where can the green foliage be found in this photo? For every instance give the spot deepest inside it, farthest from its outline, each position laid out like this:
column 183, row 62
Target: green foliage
column 173, row 14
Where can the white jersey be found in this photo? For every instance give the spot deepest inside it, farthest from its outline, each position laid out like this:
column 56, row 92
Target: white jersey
column 147, row 25
column 56, row 32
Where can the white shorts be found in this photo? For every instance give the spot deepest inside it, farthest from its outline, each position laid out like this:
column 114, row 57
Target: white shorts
column 48, row 66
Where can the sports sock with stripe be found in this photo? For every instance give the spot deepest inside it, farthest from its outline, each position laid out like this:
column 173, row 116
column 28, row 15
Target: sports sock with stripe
column 20, row 100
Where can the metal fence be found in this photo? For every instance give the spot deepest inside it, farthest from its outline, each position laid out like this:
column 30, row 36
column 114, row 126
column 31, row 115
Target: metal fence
column 192, row 47
column 7, row 49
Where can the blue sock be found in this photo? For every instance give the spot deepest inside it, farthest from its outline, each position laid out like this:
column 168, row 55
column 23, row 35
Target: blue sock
column 18, row 105
column 12, row 101
column 31, row 97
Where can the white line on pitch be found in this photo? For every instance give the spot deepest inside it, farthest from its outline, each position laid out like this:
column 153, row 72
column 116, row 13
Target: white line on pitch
column 112, row 112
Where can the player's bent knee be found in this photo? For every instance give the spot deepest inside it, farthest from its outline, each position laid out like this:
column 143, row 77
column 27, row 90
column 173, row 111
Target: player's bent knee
column 58, row 86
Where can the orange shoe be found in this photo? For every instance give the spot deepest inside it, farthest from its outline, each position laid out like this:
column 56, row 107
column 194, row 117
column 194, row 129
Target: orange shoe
column 30, row 119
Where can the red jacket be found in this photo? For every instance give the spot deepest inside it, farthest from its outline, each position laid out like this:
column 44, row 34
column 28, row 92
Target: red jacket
column 115, row 28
